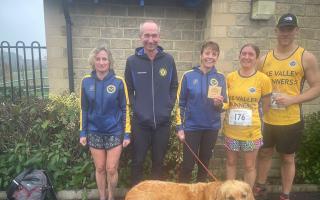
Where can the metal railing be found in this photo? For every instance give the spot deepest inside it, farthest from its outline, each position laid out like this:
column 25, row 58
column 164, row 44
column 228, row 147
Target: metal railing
column 23, row 70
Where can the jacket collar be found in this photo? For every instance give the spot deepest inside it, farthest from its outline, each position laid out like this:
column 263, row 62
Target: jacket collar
column 109, row 75
column 140, row 51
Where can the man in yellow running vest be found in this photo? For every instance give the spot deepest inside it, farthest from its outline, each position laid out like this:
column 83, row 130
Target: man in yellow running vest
column 287, row 65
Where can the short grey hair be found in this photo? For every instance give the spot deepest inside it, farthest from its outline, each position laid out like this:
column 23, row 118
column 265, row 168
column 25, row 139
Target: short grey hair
column 148, row 21
column 95, row 51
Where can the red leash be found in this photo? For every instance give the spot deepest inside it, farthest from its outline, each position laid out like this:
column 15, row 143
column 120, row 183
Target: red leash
column 195, row 155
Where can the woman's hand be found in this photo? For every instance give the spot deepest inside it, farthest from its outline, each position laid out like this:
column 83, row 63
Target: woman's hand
column 83, row 141
column 218, row 100
column 125, row 142
column 181, row 135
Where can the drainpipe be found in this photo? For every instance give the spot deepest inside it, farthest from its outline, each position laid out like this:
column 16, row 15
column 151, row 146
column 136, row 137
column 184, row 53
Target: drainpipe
column 69, row 44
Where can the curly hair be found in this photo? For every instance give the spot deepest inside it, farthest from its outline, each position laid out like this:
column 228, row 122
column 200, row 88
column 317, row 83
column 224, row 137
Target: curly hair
column 95, row 51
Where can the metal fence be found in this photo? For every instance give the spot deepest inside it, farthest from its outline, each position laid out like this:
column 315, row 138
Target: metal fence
column 24, row 71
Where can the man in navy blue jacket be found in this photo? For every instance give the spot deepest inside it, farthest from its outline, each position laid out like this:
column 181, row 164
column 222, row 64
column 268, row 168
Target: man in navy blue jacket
column 151, row 77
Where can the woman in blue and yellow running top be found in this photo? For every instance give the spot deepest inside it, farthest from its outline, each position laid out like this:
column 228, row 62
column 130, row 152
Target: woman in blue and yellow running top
column 104, row 119
column 201, row 94
column 242, row 124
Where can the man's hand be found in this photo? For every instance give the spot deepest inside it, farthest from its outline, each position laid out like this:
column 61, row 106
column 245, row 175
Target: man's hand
column 284, row 100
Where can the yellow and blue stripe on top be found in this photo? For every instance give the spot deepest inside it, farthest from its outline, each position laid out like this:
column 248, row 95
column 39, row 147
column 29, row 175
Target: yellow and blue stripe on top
column 196, row 111
column 104, row 105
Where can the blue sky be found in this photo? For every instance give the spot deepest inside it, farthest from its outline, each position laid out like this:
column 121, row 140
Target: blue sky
column 22, row 20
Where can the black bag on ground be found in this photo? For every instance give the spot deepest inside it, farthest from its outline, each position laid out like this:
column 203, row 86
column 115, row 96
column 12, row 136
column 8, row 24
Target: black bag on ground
column 31, row 184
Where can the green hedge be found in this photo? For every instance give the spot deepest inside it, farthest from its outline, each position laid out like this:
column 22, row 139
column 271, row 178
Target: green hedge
column 308, row 156
column 45, row 134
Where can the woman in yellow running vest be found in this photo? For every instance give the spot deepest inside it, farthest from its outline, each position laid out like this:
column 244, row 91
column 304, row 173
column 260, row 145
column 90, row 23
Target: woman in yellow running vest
column 247, row 87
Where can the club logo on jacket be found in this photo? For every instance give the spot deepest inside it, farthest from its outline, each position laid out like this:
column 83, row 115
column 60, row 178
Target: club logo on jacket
column 163, row 71
column 213, row 82
column 292, row 63
column 252, row 90
column 111, row 89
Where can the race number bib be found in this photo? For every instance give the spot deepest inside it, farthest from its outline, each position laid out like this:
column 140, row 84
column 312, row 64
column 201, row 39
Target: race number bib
column 240, row 117
column 274, row 104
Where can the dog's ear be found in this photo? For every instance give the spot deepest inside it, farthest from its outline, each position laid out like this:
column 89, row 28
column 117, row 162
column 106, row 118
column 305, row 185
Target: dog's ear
column 249, row 192
column 247, row 189
column 220, row 194
column 250, row 195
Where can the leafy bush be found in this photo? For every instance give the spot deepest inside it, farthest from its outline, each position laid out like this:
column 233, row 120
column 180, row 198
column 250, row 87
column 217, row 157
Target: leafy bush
column 45, row 134
column 308, row 162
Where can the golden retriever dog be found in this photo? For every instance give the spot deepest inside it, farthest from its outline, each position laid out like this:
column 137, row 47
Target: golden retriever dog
column 160, row 190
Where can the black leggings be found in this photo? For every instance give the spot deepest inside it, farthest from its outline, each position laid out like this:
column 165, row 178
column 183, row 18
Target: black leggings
column 202, row 143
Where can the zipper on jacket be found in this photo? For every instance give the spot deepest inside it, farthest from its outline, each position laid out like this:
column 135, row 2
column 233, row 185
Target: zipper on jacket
column 201, row 85
column 102, row 95
column 207, row 87
column 153, row 109
column 95, row 94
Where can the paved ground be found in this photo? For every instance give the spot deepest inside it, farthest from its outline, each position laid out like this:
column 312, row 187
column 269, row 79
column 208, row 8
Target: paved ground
column 299, row 196
column 315, row 195
column 294, row 196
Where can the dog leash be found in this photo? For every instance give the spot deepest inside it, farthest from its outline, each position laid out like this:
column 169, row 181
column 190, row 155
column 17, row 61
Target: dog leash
column 195, row 155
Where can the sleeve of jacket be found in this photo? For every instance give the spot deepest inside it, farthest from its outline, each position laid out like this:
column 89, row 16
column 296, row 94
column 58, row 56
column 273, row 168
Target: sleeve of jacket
column 129, row 82
column 173, row 85
column 124, row 106
column 84, row 105
column 182, row 102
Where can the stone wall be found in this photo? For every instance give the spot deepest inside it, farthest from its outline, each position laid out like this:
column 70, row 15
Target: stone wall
column 115, row 23
column 229, row 23
column 117, row 26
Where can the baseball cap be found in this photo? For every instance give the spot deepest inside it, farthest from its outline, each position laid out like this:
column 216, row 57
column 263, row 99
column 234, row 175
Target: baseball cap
column 287, row 20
